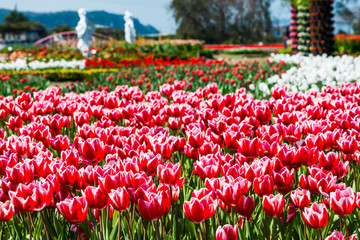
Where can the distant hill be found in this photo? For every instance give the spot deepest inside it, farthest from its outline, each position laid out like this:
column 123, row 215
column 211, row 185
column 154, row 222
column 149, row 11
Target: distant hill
column 54, row 19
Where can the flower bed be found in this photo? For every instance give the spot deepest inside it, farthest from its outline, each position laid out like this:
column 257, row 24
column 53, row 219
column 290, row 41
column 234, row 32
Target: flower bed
column 113, row 51
column 149, row 75
column 18, row 83
column 180, row 164
column 242, row 46
column 316, row 72
column 347, row 44
column 21, row 64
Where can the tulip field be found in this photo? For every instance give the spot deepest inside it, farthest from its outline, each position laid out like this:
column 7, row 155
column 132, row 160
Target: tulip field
column 181, row 149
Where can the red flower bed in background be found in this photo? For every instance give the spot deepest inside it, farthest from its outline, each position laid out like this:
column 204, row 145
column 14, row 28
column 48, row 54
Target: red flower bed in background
column 241, row 46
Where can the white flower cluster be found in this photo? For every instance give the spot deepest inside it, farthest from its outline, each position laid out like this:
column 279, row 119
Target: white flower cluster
column 316, row 72
column 21, row 64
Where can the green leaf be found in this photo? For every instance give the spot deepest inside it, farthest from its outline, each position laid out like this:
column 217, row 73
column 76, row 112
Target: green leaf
column 114, row 231
column 190, row 226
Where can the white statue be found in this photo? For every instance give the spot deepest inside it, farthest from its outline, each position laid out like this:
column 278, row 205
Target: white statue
column 84, row 29
column 130, row 34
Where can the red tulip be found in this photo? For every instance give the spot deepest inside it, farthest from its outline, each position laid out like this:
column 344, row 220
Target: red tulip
column 218, row 126
column 34, row 196
column 153, row 206
column 67, row 175
column 207, row 167
column 195, row 137
column 91, row 175
column 227, row 232
column 342, row 202
column 110, row 182
column 74, row 209
column 175, row 124
column 257, row 169
column 263, row 185
column 70, row 157
column 249, row 147
column 231, row 139
column 119, row 199
column 347, row 145
column 335, row 235
column 328, row 161
column 92, row 150
column 318, row 181
column 3, row 197
column 262, row 114
column 358, row 200
column 199, row 208
column 274, row 205
column 175, row 189
column 81, row 118
column 169, row 173
column 96, row 198
column 300, row 198
column 6, row 162
column 56, row 123
column 148, row 162
column 60, row 143
column 291, row 213
column 20, row 173
column 246, row 207
column 135, row 181
column 98, row 213
column 292, row 133
column 230, row 193
column 15, row 123
column 214, row 184
column 316, row 216
column 6, row 211
column 284, row 177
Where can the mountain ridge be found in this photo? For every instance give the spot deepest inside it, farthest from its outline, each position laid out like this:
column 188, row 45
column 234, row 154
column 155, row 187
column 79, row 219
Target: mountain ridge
column 71, row 18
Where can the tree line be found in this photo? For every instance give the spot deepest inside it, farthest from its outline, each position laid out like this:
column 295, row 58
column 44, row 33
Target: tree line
column 219, row 21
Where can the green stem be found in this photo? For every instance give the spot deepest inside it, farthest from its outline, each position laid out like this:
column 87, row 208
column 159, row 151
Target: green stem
column 321, row 238
column 106, row 223
column 347, row 231
column 218, row 216
column 2, row 231
column 172, row 206
column 45, row 228
column 30, row 224
column 119, row 226
column 201, row 237
column 275, row 229
column 78, row 232
column 205, row 231
column 156, row 231
column 354, row 174
column 340, row 224
column 266, row 226
column 101, row 225
column 128, row 225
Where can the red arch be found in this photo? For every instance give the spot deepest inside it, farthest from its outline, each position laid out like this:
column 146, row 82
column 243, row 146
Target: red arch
column 67, row 34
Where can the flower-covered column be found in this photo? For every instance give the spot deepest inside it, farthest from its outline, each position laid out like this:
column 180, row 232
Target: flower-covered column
column 293, row 29
column 303, row 30
column 321, row 26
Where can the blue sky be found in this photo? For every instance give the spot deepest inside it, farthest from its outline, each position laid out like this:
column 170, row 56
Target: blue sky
column 154, row 12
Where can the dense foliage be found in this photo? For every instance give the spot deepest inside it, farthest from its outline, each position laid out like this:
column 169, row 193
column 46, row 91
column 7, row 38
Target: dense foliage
column 347, row 44
column 223, row 21
column 112, row 51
